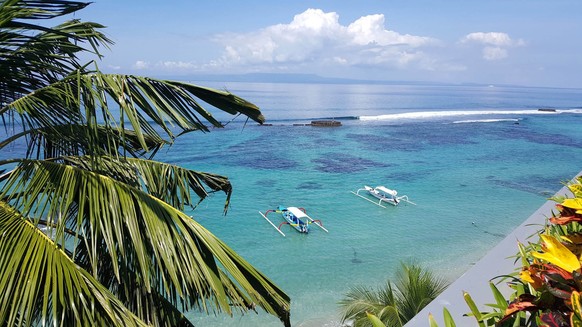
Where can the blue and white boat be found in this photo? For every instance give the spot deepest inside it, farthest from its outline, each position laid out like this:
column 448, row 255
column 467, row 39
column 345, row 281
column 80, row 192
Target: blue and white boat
column 295, row 217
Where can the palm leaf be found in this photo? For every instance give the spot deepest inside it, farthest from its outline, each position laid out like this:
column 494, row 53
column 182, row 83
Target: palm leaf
column 358, row 301
column 172, row 184
column 139, row 235
column 33, row 56
column 42, row 143
column 416, row 287
column 38, row 9
column 169, row 183
column 106, row 214
column 39, row 282
column 224, row 100
column 147, row 106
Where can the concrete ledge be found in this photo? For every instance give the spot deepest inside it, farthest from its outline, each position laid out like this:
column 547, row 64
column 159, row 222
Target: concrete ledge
column 476, row 280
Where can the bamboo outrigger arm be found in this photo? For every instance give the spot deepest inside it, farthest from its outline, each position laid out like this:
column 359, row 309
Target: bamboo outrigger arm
column 270, row 222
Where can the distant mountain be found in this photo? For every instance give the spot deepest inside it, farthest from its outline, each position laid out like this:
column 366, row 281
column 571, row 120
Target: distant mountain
column 306, row 78
column 286, row 78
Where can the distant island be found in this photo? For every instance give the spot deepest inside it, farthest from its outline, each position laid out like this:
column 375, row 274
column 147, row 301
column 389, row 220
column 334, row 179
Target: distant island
column 311, row 79
column 291, row 78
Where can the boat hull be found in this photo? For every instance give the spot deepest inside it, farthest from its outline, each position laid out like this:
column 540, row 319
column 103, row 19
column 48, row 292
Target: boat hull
column 294, row 219
column 385, row 199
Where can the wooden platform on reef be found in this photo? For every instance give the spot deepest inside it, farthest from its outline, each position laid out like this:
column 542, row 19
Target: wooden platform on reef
column 325, row 123
column 316, row 123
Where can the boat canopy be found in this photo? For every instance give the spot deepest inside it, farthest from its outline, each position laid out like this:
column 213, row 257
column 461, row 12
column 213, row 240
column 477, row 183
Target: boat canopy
column 386, row 190
column 296, row 212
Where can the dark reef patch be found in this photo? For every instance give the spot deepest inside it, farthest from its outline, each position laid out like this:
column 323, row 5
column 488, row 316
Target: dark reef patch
column 267, row 182
column 310, row 185
column 408, row 177
column 413, row 137
column 343, row 163
column 267, row 163
column 533, row 136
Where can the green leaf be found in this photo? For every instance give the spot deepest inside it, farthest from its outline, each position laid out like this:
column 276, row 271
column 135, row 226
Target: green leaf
column 576, row 318
column 499, row 298
column 474, row 310
column 449, row 322
column 374, row 320
column 432, row 322
column 40, row 281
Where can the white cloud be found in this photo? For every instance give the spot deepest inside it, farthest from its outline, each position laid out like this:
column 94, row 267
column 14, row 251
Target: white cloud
column 164, row 65
column 140, row 64
column 315, row 36
column 490, row 38
column 494, row 53
column 177, row 65
column 370, row 30
column 494, row 44
column 315, row 41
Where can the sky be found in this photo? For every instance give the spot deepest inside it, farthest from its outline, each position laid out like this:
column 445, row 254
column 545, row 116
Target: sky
column 517, row 42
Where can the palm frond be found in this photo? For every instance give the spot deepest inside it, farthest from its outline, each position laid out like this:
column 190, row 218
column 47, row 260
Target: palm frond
column 113, row 226
column 390, row 316
column 33, row 56
column 169, row 183
column 139, row 235
column 39, row 9
column 146, row 106
column 413, row 289
column 71, row 140
column 357, row 301
column 224, row 100
column 416, row 287
column 172, row 184
column 32, row 287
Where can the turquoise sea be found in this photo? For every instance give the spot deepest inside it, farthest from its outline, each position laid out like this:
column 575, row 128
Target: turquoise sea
column 477, row 161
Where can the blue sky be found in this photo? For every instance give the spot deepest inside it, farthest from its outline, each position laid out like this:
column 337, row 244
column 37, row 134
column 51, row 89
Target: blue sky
column 531, row 43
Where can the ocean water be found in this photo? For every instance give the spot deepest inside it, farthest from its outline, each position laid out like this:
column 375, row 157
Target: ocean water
column 476, row 160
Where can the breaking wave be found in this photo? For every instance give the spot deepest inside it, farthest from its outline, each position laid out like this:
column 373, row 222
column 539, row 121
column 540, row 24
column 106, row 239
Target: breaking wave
column 470, row 121
column 455, row 113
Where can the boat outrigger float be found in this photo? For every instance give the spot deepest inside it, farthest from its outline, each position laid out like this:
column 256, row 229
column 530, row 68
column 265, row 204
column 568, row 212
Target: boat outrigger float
column 384, row 195
column 295, row 217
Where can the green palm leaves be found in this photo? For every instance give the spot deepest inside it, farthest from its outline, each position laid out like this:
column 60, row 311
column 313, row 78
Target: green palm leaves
column 39, row 280
column 395, row 303
column 91, row 227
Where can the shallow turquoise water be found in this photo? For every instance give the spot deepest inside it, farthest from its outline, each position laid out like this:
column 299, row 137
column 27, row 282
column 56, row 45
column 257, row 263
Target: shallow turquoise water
column 474, row 175
column 477, row 161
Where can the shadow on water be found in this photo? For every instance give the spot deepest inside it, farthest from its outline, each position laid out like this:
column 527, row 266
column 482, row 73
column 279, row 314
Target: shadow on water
column 538, row 185
column 355, row 258
column 487, row 232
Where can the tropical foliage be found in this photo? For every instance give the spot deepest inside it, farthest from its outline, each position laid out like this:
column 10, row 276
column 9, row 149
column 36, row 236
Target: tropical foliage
column 547, row 290
column 395, row 303
column 549, row 284
column 92, row 228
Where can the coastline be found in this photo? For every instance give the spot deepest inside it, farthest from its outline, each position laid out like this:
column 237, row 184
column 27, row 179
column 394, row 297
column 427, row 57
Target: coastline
column 498, row 261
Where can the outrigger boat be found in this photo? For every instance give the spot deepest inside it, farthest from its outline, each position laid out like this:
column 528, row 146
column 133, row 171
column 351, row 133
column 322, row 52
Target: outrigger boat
column 295, row 217
column 384, row 195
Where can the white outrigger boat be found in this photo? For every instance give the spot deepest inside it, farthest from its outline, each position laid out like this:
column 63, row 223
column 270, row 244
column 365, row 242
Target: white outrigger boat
column 384, row 195
column 295, row 217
